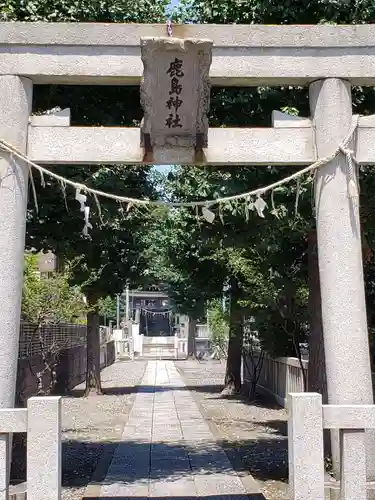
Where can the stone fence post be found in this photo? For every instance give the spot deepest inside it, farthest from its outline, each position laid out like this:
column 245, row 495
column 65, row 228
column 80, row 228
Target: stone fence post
column 307, row 419
column 305, row 446
column 42, row 422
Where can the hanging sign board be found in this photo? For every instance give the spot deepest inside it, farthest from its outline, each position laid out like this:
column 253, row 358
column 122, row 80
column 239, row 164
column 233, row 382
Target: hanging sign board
column 175, row 92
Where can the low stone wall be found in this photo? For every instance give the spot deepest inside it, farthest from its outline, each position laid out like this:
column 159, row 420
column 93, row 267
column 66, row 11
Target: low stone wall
column 70, row 370
column 278, row 377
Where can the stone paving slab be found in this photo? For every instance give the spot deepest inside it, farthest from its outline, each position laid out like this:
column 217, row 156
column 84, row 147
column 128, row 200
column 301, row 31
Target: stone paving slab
column 167, row 448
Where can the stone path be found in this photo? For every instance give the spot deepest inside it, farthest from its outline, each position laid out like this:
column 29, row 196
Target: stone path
column 167, row 448
column 256, row 431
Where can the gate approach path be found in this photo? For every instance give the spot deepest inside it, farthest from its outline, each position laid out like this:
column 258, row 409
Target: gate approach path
column 167, row 449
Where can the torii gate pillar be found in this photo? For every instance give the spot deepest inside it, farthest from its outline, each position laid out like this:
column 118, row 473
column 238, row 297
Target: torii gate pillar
column 15, row 109
column 340, row 266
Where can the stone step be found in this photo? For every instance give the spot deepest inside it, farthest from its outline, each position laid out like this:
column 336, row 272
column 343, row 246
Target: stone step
column 158, row 356
column 159, row 341
column 156, row 352
column 158, row 348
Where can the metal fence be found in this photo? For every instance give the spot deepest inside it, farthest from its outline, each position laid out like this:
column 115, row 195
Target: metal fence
column 52, row 337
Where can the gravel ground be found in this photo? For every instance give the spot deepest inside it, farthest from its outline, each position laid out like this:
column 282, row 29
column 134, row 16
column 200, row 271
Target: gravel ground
column 93, row 424
column 256, row 430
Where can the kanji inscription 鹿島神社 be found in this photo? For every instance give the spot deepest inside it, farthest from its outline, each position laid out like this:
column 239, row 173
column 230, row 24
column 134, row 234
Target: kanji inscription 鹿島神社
column 175, row 71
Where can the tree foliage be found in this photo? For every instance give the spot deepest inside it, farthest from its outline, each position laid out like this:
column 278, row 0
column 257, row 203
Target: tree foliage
column 218, row 323
column 107, row 308
column 50, row 299
column 103, row 11
column 112, row 254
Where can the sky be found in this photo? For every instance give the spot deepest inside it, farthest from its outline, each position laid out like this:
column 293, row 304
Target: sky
column 172, row 3
column 163, row 169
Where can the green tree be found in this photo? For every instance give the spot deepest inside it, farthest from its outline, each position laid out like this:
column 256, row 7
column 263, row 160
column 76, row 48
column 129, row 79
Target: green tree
column 217, row 320
column 107, row 308
column 202, row 257
column 102, row 11
column 51, row 299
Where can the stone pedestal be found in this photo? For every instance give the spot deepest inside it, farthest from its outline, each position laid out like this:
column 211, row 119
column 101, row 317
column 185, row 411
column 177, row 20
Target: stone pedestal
column 340, row 266
column 175, row 93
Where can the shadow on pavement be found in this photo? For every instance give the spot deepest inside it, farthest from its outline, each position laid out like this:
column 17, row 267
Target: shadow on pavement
column 263, row 458
column 214, row 389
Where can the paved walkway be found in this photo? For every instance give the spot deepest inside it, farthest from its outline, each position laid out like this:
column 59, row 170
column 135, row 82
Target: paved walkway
column 167, row 448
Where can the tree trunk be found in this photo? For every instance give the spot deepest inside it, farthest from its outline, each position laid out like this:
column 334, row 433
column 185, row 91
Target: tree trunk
column 316, row 372
column 192, row 327
column 253, row 361
column 93, row 381
column 232, row 382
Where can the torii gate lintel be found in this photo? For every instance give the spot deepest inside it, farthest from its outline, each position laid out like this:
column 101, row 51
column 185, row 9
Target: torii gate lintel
column 290, row 141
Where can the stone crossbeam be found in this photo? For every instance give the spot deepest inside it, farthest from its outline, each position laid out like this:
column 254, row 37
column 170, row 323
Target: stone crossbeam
column 226, row 146
column 285, row 144
column 243, row 55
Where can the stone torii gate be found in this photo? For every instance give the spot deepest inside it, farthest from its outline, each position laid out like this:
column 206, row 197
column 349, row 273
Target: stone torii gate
column 329, row 59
